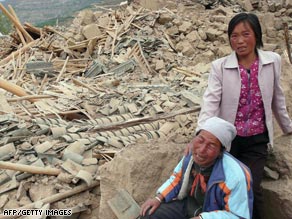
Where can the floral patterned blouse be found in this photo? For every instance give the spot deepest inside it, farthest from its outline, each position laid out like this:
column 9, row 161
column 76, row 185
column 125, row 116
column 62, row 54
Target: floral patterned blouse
column 250, row 117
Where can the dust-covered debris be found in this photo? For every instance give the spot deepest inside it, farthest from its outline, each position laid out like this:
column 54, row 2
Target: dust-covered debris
column 73, row 97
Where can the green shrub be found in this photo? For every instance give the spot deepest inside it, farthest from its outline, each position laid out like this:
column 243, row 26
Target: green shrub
column 5, row 24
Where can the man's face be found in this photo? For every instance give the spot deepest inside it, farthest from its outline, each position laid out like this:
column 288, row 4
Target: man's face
column 206, row 148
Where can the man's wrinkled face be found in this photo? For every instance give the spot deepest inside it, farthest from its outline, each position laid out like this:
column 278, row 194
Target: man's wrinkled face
column 206, row 148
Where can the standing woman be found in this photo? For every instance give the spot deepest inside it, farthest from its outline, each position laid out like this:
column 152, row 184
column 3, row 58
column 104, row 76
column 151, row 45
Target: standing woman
column 244, row 89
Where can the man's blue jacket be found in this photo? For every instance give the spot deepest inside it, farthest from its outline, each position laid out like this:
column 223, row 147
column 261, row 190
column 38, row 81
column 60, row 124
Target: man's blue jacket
column 229, row 189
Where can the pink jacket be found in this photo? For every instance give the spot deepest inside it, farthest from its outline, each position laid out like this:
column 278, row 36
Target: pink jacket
column 222, row 94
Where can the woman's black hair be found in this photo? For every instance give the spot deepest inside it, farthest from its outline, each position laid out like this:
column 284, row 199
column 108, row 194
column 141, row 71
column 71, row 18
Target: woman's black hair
column 253, row 21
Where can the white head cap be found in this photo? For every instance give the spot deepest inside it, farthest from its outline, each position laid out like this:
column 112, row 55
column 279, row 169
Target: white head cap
column 221, row 129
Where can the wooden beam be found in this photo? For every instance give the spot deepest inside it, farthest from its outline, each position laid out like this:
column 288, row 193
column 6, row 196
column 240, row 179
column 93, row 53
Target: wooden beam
column 21, row 50
column 286, row 31
column 29, row 168
column 80, row 83
column 17, row 30
column 16, row 23
column 32, row 28
column 15, row 89
column 29, row 97
column 56, row 197
column 63, row 70
column 147, row 119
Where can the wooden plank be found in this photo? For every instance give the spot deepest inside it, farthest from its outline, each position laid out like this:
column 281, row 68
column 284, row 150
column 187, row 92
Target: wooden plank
column 187, row 72
column 80, row 45
column 29, row 168
column 56, row 197
column 137, row 53
column 32, row 29
column 169, row 41
column 13, row 88
column 17, row 30
column 143, row 120
column 29, row 97
column 16, row 23
column 63, row 70
column 51, row 29
column 77, row 82
column 286, row 31
column 22, row 49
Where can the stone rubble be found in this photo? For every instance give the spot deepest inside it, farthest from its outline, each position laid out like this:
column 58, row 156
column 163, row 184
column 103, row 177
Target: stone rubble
column 81, row 99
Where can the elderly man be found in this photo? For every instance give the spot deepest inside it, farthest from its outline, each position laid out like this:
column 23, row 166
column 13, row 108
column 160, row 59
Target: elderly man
column 208, row 183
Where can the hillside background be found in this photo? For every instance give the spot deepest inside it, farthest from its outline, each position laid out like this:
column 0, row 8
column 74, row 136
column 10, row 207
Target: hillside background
column 40, row 12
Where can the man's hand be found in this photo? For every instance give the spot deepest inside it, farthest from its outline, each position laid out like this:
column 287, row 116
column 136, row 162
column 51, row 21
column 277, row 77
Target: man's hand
column 195, row 218
column 151, row 204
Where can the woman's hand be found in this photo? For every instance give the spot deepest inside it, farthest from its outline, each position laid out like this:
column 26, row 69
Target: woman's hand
column 151, row 204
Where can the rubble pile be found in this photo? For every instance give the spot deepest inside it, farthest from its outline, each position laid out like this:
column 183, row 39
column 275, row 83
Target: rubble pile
column 73, row 97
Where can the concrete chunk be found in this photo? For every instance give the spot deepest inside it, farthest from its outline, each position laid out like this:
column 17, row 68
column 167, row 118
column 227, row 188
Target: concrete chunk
column 90, row 31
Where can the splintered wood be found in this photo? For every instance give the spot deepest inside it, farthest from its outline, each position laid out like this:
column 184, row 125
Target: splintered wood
column 16, row 22
column 137, row 53
column 84, row 76
column 73, row 97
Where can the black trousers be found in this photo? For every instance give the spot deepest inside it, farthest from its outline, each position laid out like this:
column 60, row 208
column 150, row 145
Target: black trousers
column 253, row 152
column 172, row 210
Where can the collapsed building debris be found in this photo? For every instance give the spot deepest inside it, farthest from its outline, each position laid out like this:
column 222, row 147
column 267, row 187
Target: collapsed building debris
column 72, row 97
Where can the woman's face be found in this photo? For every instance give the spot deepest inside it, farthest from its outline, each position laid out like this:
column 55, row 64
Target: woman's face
column 243, row 40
